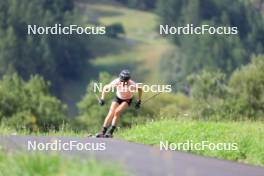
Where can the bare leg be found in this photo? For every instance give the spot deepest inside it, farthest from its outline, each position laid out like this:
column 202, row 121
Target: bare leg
column 110, row 114
column 118, row 112
column 108, row 119
column 116, row 116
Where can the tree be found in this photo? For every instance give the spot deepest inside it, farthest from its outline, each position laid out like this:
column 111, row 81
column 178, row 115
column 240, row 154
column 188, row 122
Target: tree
column 141, row 4
column 54, row 57
column 224, row 52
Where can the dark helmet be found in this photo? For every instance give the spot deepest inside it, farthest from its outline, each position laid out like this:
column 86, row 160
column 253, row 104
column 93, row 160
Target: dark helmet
column 124, row 75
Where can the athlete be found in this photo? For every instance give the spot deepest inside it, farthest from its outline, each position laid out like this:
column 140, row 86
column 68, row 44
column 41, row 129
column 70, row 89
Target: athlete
column 125, row 88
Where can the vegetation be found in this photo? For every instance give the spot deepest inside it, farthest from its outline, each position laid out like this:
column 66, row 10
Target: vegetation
column 30, row 105
column 115, row 30
column 52, row 164
column 53, row 56
column 240, row 97
column 91, row 114
column 247, row 85
column 248, row 136
column 223, row 52
column 141, row 4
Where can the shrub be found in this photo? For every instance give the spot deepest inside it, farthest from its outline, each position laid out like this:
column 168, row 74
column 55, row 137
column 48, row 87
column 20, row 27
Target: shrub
column 114, row 30
column 91, row 115
column 29, row 104
column 247, row 85
column 242, row 97
column 208, row 91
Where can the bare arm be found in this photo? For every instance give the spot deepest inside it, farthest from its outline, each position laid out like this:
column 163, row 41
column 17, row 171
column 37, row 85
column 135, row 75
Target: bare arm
column 108, row 88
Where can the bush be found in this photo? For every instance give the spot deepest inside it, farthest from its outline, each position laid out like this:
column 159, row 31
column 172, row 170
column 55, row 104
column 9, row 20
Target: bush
column 91, row 115
column 239, row 98
column 140, row 4
column 208, row 91
column 114, row 30
column 29, row 104
column 247, row 85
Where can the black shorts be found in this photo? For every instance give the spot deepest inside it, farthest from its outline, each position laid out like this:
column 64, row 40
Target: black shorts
column 119, row 100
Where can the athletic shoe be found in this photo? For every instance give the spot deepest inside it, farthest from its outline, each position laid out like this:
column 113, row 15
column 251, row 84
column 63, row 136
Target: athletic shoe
column 99, row 135
column 108, row 135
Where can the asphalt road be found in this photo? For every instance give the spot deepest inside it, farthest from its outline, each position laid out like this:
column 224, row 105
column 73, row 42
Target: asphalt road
column 138, row 159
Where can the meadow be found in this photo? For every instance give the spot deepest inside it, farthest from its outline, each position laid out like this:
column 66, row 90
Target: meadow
column 53, row 164
column 248, row 135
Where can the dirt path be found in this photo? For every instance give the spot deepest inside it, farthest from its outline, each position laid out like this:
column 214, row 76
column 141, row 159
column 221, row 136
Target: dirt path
column 142, row 160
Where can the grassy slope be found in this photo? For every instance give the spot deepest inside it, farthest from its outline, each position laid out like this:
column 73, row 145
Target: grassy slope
column 144, row 46
column 53, row 165
column 248, row 135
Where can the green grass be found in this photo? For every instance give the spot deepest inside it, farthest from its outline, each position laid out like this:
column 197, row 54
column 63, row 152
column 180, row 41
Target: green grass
column 37, row 164
column 138, row 24
column 140, row 51
column 65, row 130
column 248, row 135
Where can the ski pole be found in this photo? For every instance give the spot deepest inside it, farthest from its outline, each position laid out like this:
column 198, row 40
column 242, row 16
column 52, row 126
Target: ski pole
column 97, row 97
column 153, row 96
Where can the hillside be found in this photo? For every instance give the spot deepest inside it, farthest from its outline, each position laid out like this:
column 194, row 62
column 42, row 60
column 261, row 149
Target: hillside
column 140, row 49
